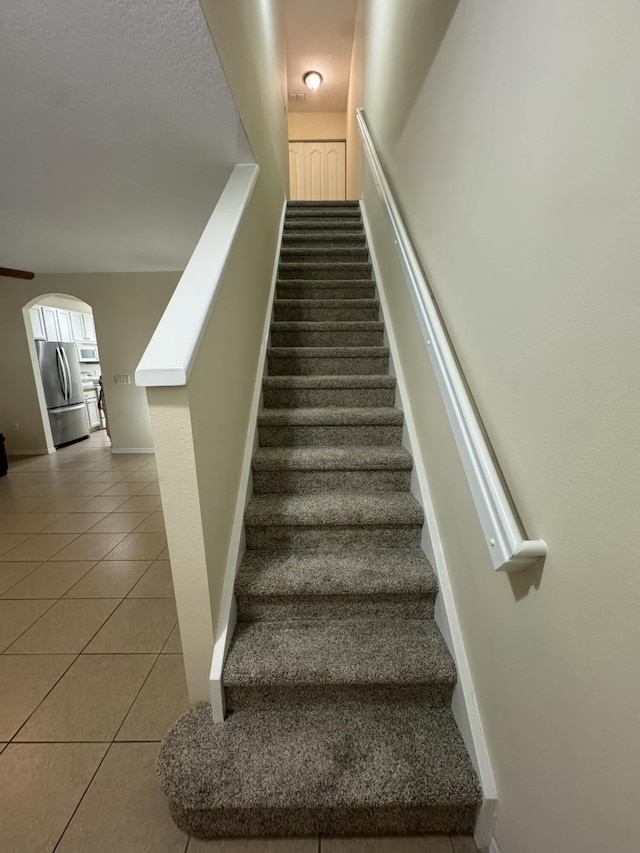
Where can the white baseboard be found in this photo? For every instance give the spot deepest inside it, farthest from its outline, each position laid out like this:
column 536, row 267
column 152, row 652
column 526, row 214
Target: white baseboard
column 464, row 705
column 116, row 450
column 227, row 612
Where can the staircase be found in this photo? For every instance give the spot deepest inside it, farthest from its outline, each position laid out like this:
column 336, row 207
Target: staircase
column 337, row 682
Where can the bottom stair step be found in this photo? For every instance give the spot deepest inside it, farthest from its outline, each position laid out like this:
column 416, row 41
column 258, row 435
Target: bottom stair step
column 381, row 770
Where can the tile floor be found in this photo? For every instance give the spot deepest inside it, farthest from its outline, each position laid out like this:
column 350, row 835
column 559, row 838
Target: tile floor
column 91, row 673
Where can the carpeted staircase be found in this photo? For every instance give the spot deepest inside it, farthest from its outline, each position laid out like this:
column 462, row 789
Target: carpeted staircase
column 338, row 682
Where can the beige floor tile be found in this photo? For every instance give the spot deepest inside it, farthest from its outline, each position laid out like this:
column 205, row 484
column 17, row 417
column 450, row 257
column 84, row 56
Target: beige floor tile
column 90, row 490
column 142, row 475
column 112, row 579
column 10, row 505
column 11, row 573
column 51, row 580
column 105, row 504
column 120, row 522
column 463, row 844
column 40, row 546
column 10, row 540
column 413, row 844
column 91, row 546
column 163, row 555
column 66, row 504
column 141, row 503
column 254, row 845
column 125, row 488
column 151, row 489
column 139, row 626
column 76, row 522
column 161, row 701
column 24, row 682
column 42, row 784
column 24, row 522
column 65, row 628
column 108, row 477
column 174, row 643
column 124, row 810
column 90, row 701
column 17, row 616
column 153, row 523
column 155, row 583
column 139, row 546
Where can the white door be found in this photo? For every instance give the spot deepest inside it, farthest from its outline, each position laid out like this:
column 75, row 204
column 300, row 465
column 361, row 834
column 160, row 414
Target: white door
column 334, row 164
column 50, row 316
column 296, row 173
column 37, row 323
column 322, row 177
column 77, row 326
column 64, row 324
column 89, row 328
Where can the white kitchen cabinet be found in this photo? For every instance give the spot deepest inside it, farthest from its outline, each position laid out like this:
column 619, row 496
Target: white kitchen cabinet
column 52, row 328
column 64, row 325
column 91, row 399
column 83, row 327
column 37, row 323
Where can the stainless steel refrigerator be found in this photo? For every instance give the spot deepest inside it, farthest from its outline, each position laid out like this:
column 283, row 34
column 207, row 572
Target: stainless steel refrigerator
column 62, row 382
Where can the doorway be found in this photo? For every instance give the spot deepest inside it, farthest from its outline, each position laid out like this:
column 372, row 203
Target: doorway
column 317, row 170
column 66, row 366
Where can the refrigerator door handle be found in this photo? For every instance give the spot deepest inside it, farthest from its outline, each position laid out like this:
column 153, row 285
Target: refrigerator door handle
column 67, row 373
column 62, row 376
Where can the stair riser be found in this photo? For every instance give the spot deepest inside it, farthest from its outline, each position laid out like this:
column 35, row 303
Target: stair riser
column 336, row 213
column 335, row 435
column 292, row 609
column 310, row 398
column 310, row 338
column 319, row 272
column 295, row 239
column 324, row 255
column 307, row 482
column 325, row 538
column 321, row 223
column 321, row 291
column 320, row 313
column 327, row 366
column 378, row 821
column 241, row 698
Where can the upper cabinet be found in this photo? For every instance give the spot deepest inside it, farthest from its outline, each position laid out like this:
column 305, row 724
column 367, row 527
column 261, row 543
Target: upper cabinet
column 83, row 327
column 58, row 324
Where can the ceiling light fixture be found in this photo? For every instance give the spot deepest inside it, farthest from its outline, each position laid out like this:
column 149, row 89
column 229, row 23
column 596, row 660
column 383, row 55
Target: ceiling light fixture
column 312, row 79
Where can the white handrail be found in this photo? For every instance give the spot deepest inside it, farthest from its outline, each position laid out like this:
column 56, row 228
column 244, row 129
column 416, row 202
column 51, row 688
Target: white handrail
column 509, row 549
column 171, row 352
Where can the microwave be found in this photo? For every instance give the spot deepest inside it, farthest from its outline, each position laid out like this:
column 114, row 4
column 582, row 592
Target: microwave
column 88, row 352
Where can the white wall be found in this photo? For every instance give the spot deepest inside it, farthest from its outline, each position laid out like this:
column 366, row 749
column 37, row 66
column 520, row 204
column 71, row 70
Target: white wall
column 126, row 309
column 313, row 126
column 515, row 159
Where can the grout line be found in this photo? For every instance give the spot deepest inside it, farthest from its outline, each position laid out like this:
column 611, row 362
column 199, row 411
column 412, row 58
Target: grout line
column 58, row 680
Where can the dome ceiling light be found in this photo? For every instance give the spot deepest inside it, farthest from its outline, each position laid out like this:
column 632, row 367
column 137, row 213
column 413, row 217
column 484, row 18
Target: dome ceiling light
column 312, row 79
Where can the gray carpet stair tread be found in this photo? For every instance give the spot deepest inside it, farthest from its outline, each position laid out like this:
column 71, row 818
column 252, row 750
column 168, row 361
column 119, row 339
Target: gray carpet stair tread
column 358, row 651
column 335, row 509
column 329, row 303
column 273, row 573
column 331, row 416
column 317, row 759
column 329, row 283
column 328, row 352
column 332, row 459
column 341, row 236
column 327, row 326
column 324, row 382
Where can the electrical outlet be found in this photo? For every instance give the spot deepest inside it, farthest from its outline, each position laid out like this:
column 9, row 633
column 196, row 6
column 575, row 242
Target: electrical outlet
column 122, row 380
column 16, row 427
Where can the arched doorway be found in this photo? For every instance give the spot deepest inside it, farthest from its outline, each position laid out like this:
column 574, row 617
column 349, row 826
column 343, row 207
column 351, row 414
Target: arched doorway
column 66, row 367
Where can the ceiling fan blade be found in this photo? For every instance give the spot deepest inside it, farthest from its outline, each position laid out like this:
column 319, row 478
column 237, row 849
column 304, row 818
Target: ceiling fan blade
column 16, row 273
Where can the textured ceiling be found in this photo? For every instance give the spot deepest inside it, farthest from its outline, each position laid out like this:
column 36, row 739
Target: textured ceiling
column 117, row 133
column 320, row 38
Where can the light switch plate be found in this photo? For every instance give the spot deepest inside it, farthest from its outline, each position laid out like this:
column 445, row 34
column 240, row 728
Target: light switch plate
column 122, row 380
